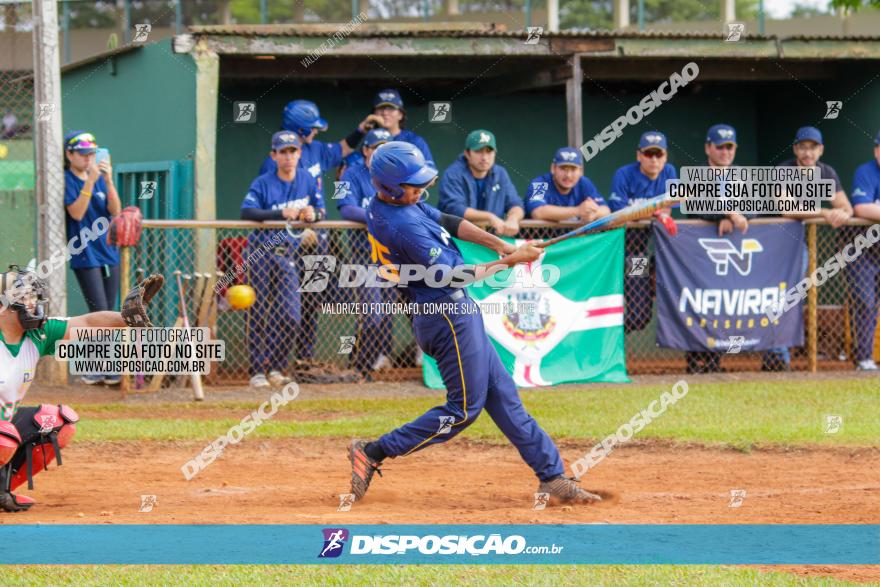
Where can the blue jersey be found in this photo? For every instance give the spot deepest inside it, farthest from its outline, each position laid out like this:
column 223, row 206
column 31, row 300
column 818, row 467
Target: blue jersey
column 97, row 253
column 543, row 191
column 412, row 235
column 866, row 184
column 630, row 185
column 316, row 158
column 270, row 192
column 408, row 136
column 355, row 187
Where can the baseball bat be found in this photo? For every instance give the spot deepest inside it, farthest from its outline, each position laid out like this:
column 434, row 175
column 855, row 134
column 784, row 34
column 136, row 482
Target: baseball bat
column 139, row 377
column 205, row 301
column 180, row 380
column 195, row 378
column 201, row 282
column 617, row 219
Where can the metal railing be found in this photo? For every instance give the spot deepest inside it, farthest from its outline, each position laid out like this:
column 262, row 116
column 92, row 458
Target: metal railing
column 293, row 325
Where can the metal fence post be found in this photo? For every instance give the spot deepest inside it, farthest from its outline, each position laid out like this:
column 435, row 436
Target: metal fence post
column 812, row 304
column 49, row 178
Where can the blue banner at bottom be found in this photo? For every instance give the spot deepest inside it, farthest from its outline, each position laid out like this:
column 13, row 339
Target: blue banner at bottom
column 443, row 544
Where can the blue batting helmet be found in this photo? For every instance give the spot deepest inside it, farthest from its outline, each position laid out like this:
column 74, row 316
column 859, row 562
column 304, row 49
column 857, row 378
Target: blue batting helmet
column 301, row 116
column 397, row 163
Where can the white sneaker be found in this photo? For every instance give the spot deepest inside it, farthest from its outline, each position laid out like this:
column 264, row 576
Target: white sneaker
column 381, row 362
column 867, row 365
column 277, row 378
column 420, row 357
column 259, row 380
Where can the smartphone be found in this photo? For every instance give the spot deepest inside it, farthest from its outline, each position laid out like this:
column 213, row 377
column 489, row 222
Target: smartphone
column 101, row 155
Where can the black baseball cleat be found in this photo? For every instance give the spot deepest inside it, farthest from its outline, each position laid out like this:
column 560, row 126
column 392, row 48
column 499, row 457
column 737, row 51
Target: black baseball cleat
column 566, row 490
column 362, row 468
column 15, row 503
column 8, row 501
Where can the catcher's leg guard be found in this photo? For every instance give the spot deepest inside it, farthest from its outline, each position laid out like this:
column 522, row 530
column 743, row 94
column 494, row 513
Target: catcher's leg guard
column 44, row 431
column 10, row 443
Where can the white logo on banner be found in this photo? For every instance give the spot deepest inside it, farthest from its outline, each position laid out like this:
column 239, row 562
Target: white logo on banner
column 724, row 253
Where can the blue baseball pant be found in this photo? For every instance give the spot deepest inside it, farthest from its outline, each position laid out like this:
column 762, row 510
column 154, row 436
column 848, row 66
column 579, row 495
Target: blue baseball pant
column 275, row 317
column 862, row 278
column 475, row 380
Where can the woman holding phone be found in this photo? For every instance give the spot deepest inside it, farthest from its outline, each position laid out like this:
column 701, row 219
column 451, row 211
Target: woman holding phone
column 89, row 194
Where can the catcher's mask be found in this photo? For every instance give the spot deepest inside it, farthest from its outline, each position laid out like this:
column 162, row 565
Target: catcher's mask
column 27, row 294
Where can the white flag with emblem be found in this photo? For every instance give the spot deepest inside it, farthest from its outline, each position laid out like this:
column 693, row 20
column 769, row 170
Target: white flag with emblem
column 570, row 332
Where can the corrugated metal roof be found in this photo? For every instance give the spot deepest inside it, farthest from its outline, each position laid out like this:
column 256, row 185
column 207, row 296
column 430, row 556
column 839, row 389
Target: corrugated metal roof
column 422, row 31
column 372, row 31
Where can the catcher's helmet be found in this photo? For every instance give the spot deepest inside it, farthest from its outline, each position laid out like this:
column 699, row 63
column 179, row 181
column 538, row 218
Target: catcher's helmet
column 27, row 294
column 301, row 116
column 397, row 163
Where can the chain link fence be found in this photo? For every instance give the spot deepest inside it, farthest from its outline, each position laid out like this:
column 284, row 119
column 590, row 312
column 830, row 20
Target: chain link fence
column 290, row 330
column 17, row 198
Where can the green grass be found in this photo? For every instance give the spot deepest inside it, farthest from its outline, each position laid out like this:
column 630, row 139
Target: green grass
column 739, row 415
column 553, row 576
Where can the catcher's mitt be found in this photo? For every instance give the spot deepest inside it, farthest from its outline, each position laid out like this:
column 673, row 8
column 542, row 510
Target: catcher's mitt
column 134, row 307
column 125, row 229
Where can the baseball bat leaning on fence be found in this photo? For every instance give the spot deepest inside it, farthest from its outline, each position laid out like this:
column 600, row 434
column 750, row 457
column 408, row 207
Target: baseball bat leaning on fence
column 158, row 378
column 202, row 279
column 617, row 219
column 180, row 380
column 139, row 377
column 195, row 378
column 204, row 310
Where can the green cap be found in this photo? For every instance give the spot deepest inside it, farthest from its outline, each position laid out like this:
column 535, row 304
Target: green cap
column 480, row 139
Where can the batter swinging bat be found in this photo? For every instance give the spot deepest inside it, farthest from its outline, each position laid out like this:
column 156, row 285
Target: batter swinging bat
column 617, row 219
column 196, row 379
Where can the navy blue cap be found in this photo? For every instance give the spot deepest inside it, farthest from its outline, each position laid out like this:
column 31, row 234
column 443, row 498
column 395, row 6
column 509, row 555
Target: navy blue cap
column 653, row 139
column 877, row 138
column 568, row 156
column 377, row 136
column 285, row 138
column 721, row 134
column 808, row 133
column 389, row 97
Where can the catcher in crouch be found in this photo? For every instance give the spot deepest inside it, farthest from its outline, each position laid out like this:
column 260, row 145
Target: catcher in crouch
column 30, row 437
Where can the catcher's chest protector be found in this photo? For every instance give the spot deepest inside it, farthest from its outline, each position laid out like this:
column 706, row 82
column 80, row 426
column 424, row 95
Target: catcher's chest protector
column 44, row 431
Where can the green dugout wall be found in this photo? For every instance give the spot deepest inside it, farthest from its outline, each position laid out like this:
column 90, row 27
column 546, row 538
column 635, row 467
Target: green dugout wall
column 140, row 104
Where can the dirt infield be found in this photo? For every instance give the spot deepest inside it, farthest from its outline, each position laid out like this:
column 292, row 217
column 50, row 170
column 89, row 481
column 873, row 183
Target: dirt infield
column 298, row 482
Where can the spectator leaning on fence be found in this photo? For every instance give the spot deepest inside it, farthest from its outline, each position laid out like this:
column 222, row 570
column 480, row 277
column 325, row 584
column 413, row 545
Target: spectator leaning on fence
column 89, row 194
column 644, row 179
column 565, row 193
column 388, row 105
column 863, row 273
column 720, row 148
column 475, row 188
column 373, row 341
column 808, row 148
column 288, row 193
